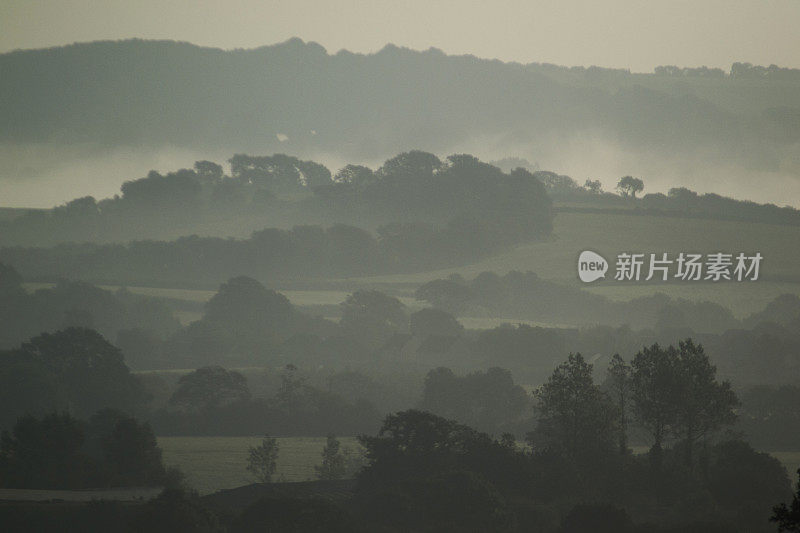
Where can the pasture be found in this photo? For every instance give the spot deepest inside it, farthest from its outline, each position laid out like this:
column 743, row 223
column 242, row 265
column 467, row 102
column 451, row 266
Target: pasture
column 555, row 260
column 214, row 463
column 612, row 233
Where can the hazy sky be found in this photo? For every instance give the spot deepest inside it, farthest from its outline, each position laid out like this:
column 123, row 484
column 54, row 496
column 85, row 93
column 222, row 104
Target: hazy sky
column 615, row 33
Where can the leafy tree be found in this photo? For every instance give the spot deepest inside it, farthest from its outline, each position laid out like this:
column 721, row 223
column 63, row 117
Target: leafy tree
column 209, row 388
column 262, row 460
column 333, row 460
column 575, row 417
column 744, row 482
column 434, row 322
column 356, row 175
column 247, row 306
column 208, row 170
column 157, row 191
column 10, row 280
column 629, row 186
column 373, row 316
column 44, row 453
column 655, row 393
column 27, row 386
column 675, row 393
column 618, row 385
column 488, row 401
column 279, row 172
column 89, row 371
column 410, row 165
column 129, row 449
column 556, row 183
column 446, row 294
column 593, row 186
column 59, row 451
column 293, row 385
column 788, row 517
column 705, row 404
column 422, row 466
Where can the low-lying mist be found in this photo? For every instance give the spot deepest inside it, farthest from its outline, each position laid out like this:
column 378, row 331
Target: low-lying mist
column 45, row 175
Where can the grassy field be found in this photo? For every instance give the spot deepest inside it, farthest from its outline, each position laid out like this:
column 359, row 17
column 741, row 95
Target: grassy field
column 214, row 463
column 556, row 259
column 610, row 234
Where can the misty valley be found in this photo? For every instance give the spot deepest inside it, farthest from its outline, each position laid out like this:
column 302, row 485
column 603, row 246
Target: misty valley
column 308, row 335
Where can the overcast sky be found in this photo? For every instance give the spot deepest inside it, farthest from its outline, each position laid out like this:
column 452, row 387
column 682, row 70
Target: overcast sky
column 614, row 33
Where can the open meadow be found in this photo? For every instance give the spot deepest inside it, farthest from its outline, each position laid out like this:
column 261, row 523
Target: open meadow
column 214, row 463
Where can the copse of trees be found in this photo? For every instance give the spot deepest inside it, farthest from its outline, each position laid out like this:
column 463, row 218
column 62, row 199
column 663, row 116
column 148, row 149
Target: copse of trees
column 525, row 295
column 25, row 314
column 75, row 369
column 417, row 186
column 676, row 395
column 788, row 516
column 488, row 401
column 58, row 451
column 279, row 173
column 209, row 388
column 427, row 471
column 216, row 401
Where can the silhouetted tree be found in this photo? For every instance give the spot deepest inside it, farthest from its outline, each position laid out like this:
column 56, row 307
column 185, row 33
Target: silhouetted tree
column 373, row 316
column 488, row 401
column 208, row 388
column 618, row 385
column 416, row 165
column 575, row 417
column 262, row 459
column 655, row 394
column 629, row 186
column 705, row 404
column 593, row 186
column 88, row 371
column 44, row 454
column 788, row 517
column 675, row 393
column 434, row 322
column 445, row 294
column 333, row 461
column 355, row 175
column 208, row 170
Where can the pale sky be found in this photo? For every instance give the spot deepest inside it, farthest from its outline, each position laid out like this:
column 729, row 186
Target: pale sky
column 635, row 34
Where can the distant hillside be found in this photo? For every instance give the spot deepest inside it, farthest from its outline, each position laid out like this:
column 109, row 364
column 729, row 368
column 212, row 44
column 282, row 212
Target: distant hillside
column 296, row 96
